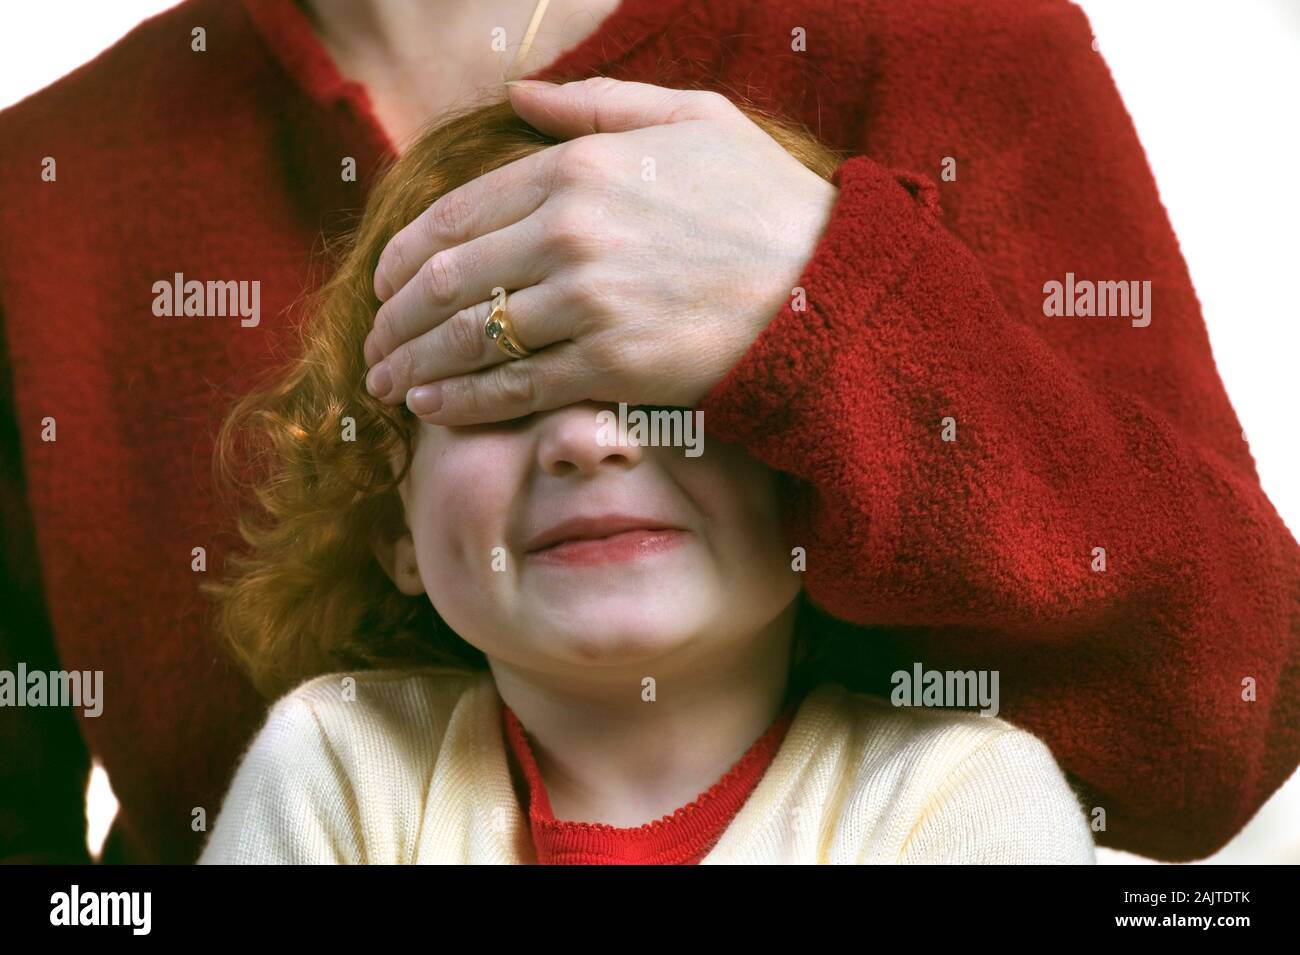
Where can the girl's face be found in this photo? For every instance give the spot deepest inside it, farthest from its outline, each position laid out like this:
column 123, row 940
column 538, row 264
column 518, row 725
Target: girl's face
column 550, row 550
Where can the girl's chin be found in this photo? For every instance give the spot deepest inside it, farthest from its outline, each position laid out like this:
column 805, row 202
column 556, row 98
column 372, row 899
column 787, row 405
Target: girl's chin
column 613, row 637
column 610, row 649
column 647, row 622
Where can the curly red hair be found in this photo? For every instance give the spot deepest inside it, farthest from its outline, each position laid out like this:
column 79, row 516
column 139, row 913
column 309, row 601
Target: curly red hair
column 307, row 594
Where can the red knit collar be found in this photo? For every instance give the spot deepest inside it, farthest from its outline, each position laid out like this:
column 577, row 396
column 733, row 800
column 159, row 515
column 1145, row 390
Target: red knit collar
column 683, row 837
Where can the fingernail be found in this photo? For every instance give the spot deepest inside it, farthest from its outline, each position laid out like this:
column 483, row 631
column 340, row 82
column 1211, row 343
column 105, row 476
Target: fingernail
column 530, row 84
column 424, row 400
column 379, row 382
column 382, row 290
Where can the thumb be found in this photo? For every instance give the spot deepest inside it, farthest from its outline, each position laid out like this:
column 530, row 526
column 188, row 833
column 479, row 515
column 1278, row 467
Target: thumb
column 601, row 104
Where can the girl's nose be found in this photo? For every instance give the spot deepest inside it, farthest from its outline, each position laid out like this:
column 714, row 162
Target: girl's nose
column 582, row 437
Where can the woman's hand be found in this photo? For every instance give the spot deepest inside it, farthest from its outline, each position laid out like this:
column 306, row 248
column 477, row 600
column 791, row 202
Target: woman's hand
column 646, row 253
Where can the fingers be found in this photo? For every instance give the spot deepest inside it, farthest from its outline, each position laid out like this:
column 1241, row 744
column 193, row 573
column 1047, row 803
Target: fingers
column 458, row 278
column 540, row 315
column 601, row 104
column 506, row 195
column 481, row 206
column 511, row 389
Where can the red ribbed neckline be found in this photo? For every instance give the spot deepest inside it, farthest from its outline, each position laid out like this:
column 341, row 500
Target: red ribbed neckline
column 682, row 837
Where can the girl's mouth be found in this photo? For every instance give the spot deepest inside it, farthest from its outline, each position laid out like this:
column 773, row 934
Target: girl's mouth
column 625, row 545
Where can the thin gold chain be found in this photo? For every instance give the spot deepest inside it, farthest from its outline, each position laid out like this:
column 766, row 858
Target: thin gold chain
column 539, row 11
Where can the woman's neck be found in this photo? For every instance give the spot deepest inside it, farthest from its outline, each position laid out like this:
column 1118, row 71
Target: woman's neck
column 607, row 755
column 418, row 59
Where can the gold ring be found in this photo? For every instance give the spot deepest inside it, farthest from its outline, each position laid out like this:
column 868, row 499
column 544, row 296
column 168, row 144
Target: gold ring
column 498, row 328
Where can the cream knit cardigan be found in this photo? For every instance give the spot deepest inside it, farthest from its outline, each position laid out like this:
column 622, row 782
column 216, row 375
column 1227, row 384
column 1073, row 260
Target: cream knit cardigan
column 413, row 770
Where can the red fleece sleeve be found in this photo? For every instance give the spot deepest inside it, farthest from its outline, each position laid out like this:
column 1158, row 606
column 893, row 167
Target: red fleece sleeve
column 979, row 551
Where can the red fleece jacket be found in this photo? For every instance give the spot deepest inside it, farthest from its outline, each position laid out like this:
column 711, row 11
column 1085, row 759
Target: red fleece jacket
column 956, row 455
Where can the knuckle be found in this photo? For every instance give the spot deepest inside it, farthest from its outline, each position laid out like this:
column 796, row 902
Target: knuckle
column 581, row 160
column 564, row 176
column 382, row 333
column 717, row 103
column 603, row 355
column 587, row 287
column 571, row 232
column 439, row 278
column 401, row 365
column 392, row 261
column 518, row 384
column 446, row 218
column 466, row 336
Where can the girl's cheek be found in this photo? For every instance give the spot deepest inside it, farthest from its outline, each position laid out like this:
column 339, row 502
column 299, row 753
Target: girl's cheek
column 737, row 495
column 466, row 495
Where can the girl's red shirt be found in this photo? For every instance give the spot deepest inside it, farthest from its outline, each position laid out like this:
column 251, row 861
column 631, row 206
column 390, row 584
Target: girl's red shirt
column 683, row 837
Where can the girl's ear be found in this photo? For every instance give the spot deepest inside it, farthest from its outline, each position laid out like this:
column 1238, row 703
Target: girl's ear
column 397, row 557
column 393, row 545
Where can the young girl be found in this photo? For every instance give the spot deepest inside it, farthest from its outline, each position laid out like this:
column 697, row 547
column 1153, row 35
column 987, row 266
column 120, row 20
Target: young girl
column 523, row 643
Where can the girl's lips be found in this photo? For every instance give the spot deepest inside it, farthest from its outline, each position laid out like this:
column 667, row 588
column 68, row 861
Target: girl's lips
column 626, row 545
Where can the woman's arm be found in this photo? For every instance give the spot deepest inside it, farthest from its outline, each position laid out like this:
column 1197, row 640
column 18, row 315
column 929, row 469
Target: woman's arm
column 964, row 460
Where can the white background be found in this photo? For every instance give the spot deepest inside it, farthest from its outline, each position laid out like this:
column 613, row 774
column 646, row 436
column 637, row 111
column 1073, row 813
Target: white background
column 1211, row 85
